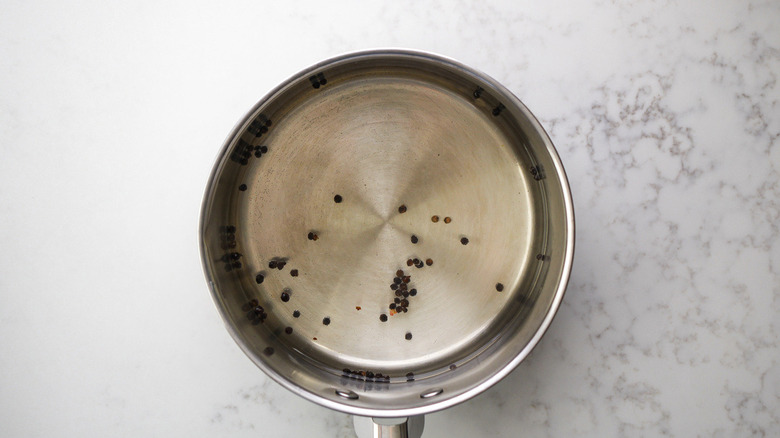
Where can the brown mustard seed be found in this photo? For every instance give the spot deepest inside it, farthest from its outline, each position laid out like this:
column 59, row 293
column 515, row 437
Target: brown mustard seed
column 464, row 241
column 447, row 220
column 413, row 292
column 408, row 336
column 242, row 187
column 409, row 262
column 288, row 330
column 259, row 278
column 285, row 297
column 294, row 272
column 414, row 239
column 272, row 264
column 358, row 307
column 429, row 262
column 435, row 218
column 410, row 377
column 499, row 287
column 402, row 209
column 453, row 366
column 268, row 351
column 406, row 279
column 326, row 320
column 280, row 265
column 296, row 314
column 337, row 199
column 383, row 317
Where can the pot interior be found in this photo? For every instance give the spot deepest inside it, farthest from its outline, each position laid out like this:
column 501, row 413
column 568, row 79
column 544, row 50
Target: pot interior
column 387, row 232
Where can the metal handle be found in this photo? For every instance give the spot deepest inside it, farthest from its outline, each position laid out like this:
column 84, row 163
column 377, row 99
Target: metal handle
column 403, row 427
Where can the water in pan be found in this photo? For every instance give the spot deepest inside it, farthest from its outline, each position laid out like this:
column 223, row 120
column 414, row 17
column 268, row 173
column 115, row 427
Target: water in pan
column 341, row 185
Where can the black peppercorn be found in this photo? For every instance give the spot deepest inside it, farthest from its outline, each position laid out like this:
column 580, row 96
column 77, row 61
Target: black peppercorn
column 404, row 303
column 397, row 300
column 396, row 280
column 399, row 273
column 394, row 286
column 280, row 265
column 392, row 306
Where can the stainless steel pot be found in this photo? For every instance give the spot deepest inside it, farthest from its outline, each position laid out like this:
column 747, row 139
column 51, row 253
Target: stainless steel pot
column 364, row 166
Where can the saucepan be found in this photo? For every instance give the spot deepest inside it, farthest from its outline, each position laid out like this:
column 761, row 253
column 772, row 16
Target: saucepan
column 388, row 233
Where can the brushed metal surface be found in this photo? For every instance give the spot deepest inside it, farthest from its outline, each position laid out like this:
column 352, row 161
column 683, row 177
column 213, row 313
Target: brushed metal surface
column 381, row 143
column 383, row 130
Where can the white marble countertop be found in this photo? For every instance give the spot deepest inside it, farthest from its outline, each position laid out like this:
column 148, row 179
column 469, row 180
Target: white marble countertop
column 666, row 116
